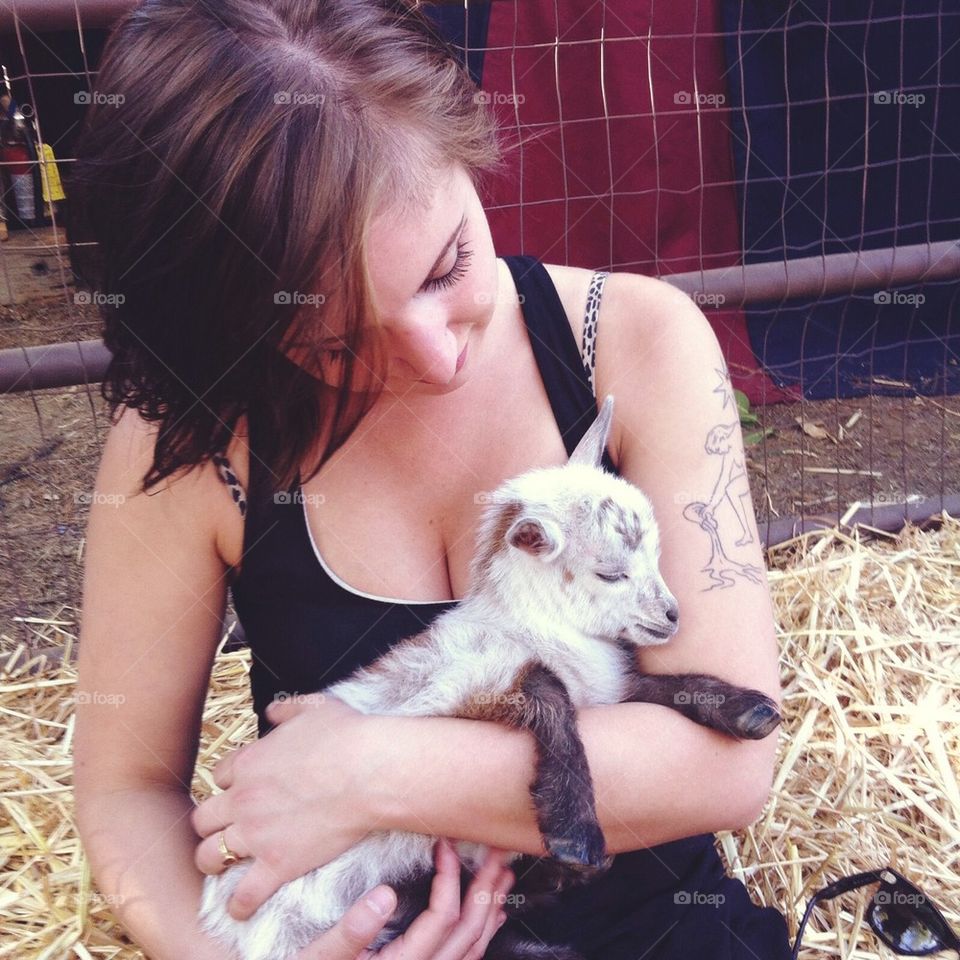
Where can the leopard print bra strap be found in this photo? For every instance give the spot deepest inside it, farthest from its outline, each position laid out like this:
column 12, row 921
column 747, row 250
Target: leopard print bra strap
column 230, row 479
column 589, row 352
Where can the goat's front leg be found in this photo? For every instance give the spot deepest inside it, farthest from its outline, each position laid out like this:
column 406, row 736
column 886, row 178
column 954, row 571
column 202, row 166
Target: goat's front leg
column 707, row 700
column 562, row 789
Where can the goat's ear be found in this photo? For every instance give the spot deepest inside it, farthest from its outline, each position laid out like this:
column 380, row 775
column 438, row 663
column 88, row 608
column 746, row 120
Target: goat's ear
column 590, row 449
column 541, row 538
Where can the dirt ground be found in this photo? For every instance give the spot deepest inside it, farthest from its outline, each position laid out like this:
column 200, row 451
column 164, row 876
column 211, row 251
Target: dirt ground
column 870, row 449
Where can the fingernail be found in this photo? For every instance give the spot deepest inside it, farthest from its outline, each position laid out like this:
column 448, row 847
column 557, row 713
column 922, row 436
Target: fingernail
column 501, row 919
column 379, row 901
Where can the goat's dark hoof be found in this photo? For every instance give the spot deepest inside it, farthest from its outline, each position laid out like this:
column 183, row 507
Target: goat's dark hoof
column 759, row 721
column 585, row 850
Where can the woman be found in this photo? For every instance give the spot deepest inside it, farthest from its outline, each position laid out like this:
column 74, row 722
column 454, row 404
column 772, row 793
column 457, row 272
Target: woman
column 327, row 366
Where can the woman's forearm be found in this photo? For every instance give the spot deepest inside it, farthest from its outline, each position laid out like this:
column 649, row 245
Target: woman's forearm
column 656, row 776
column 140, row 844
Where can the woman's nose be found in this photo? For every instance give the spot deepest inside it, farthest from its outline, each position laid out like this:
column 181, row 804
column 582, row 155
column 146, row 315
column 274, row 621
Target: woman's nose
column 422, row 348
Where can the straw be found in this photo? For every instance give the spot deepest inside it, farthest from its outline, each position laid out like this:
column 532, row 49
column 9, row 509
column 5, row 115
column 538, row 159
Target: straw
column 867, row 769
column 870, row 748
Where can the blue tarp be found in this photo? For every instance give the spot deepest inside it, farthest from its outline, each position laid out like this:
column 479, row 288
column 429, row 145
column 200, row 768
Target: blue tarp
column 846, row 136
column 464, row 29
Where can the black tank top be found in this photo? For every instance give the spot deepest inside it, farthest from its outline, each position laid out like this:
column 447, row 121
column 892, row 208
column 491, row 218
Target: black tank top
column 307, row 630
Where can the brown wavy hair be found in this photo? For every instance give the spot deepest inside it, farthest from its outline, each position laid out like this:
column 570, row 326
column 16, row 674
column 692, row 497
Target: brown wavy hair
column 245, row 149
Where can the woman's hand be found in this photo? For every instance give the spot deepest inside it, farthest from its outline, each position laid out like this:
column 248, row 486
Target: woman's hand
column 293, row 800
column 444, row 931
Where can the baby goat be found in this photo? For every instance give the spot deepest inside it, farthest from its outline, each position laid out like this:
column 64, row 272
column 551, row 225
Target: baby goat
column 564, row 587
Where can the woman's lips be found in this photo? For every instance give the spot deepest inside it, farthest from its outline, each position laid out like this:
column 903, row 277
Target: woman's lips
column 461, row 360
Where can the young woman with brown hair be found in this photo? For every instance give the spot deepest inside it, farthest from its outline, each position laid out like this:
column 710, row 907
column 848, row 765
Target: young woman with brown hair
column 320, row 363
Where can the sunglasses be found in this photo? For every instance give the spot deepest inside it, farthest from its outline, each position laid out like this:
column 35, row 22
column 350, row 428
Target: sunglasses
column 901, row 915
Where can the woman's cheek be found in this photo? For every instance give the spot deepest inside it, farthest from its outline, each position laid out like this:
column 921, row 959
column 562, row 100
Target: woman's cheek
column 479, row 304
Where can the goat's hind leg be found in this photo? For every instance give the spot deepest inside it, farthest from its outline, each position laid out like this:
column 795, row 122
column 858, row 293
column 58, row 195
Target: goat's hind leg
column 736, row 711
column 562, row 790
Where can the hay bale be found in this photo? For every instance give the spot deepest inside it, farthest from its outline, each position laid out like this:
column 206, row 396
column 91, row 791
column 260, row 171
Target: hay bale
column 870, row 748
column 867, row 773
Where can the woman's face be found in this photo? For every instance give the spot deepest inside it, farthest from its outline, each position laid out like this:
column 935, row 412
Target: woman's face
column 434, row 282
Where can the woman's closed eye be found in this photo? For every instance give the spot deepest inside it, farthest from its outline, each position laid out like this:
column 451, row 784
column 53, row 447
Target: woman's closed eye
column 334, row 348
column 457, row 271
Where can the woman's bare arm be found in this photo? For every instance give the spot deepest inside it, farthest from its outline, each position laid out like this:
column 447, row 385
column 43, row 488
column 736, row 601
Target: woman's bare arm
column 657, row 777
column 140, row 846
column 154, row 598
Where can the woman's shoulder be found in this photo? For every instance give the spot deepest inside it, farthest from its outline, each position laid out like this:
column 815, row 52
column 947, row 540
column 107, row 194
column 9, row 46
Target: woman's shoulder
column 198, row 492
column 638, row 315
column 644, row 326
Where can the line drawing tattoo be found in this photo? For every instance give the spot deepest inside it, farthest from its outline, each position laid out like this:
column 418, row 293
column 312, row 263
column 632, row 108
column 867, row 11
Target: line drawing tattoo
column 731, row 486
column 723, row 387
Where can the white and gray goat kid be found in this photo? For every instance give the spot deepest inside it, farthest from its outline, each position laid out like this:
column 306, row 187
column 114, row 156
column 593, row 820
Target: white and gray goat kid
column 564, row 587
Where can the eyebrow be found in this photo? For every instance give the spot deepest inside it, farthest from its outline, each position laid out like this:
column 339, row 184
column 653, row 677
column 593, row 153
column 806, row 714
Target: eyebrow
column 445, row 250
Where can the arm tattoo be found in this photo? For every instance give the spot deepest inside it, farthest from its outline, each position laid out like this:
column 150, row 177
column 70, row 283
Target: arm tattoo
column 730, row 489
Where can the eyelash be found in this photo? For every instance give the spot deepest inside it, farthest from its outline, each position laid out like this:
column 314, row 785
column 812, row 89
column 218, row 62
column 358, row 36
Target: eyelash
column 456, row 273
column 334, row 352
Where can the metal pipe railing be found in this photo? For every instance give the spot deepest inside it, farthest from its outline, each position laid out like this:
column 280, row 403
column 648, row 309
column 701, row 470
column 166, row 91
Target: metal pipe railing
column 812, row 278
column 85, row 361
column 890, row 517
column 53, row 365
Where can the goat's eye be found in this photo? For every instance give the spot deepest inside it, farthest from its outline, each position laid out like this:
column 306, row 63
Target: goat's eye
column 612, row 577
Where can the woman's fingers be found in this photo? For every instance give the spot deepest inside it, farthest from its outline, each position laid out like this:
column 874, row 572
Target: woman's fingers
column 223, row 769
column 257, row 885
column 479, row 911
column 356, row 928
column 497, row 916
column 447, row 931
column 209, row 857
column 424, row 937
column 349, row 939
column 210, row 815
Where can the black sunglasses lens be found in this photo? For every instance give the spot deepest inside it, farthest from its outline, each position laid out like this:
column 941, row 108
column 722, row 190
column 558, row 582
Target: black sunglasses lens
column 906, row 922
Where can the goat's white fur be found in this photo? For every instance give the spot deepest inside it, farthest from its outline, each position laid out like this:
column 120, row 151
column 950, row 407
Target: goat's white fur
column 522, row 606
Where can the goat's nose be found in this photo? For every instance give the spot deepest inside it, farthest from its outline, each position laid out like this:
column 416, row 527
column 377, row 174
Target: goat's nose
column 672, row 613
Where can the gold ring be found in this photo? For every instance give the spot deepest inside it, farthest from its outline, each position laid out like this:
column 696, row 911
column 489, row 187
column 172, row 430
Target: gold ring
column 229, row 857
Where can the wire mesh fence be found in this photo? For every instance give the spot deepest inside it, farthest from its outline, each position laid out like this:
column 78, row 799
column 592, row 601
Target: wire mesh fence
column 792, row 166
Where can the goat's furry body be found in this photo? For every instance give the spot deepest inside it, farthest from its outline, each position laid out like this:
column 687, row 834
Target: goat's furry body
column 474, row 649
column 455, row 666
column 535, row 603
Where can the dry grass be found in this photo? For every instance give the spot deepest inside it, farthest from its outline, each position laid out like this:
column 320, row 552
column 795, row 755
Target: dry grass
column 870, row 633
column 870, row 751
